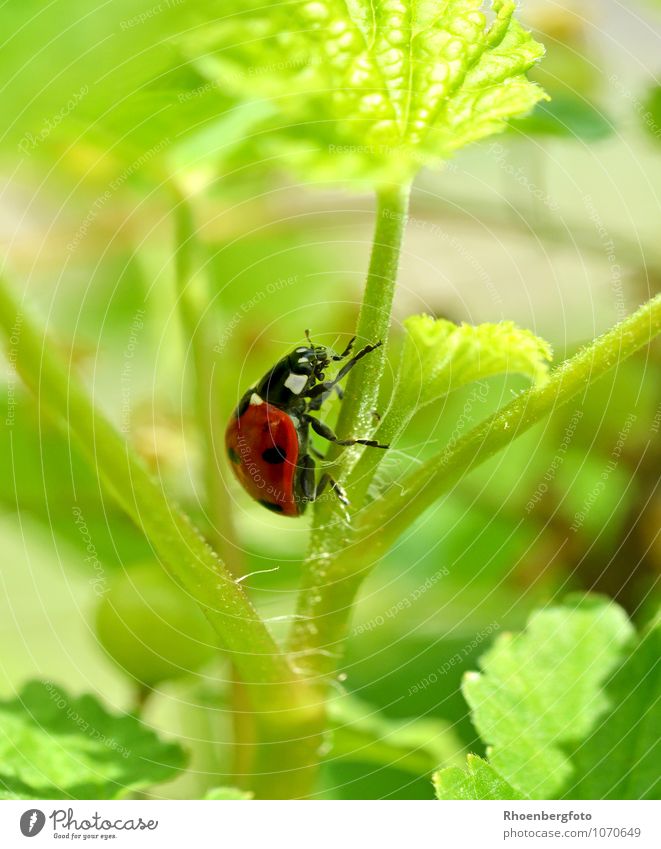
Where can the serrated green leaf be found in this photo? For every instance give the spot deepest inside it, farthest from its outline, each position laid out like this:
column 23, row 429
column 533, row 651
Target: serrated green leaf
column 540, row 692
column 228, row 794
column 570, row 709
column 439, row 356
column 57, row 746
column 620, row 758
column 480, row 781
column 371, row 90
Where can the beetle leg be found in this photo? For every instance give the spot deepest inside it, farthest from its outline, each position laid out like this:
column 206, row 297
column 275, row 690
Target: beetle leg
column 346, row 351
column 306, row 477
column 324, row 431
column 328, row 385
column 327, row 480
column 319, row 399
column 346, row 368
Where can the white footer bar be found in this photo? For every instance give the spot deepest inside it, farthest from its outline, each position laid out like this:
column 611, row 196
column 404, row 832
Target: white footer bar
column 331, row 825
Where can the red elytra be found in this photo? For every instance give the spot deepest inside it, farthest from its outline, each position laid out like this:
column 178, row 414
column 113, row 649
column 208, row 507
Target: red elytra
column 264, row 431
column 268, row 435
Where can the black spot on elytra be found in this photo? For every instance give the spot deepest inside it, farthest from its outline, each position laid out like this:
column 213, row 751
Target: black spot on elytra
column 234, row 457
column 274, row 455
column 272, row 506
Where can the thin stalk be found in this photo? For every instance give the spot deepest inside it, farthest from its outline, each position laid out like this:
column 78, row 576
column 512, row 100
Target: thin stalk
column 273, row 683
column 196, row 319
column 396, row 511
column 379, row 525
column 330, row 532
column 361, row 393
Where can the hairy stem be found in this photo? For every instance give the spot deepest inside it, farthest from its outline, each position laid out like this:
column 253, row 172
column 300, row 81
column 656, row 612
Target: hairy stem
column 330, row 532
column 361, row 393
column 395, row 511
column 343, row 567
column 273, row 683
column 196, row 318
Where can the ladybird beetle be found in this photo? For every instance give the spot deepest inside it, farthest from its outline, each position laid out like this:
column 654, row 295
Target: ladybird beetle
column 268, row 435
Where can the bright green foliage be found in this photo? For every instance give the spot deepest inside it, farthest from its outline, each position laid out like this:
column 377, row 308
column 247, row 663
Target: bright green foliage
column 620, row 759
column 56, row 746
column 480, row 781
column 568, row 709
column 372, row 89
column 542, row 689
column 228, row 794
column 439, row 357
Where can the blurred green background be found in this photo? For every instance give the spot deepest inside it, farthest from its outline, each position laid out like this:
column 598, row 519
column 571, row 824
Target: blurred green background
column 554, row 225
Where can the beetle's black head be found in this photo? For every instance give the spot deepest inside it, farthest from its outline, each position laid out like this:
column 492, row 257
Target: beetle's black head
column 291, row 379
column 294, row 375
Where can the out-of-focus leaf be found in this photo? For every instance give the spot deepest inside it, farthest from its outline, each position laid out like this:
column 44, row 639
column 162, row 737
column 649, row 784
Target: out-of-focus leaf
column 361, row 733
column 566, row 116
column 46, row 477
column 56, row 746
column 651, row 117
column 228, row 794
column 103, row 90
column 620, row 758
column 478, row 781
column 151, row 628
column 371, row 91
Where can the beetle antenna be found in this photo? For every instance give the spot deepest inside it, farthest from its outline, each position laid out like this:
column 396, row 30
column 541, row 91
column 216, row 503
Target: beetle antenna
column 307, row 336
column 346, row 351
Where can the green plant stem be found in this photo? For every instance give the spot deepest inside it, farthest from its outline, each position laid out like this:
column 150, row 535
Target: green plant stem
column 330, row 532
column 273, row 683
column 361, row 393
column 196, row 318
column 395, row 511
column 343, row 567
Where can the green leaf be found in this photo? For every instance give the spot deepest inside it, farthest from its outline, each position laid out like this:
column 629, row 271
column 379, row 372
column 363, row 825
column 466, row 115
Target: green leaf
column 439, row 357
column 57, row 746
column 620, row 758
column 228, row 794
column 540, row 700
column 119, row 100
column 371, row 90
column 561, row 720
column 541, row 690
column 480, row 781
column 361, row 733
